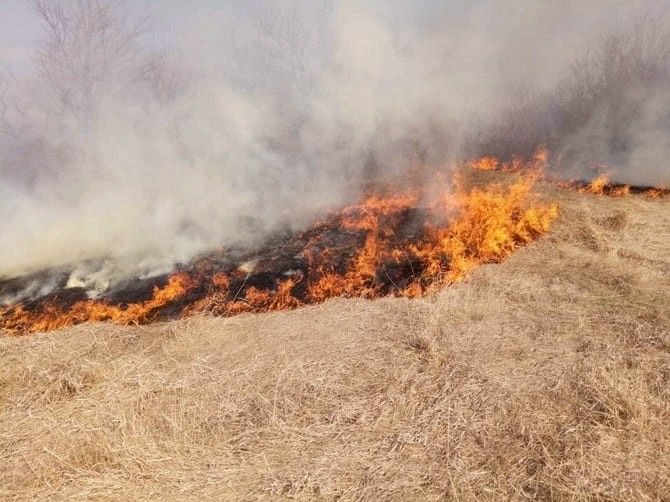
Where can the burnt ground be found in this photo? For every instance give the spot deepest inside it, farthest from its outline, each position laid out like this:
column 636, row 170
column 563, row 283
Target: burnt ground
column 328, row 247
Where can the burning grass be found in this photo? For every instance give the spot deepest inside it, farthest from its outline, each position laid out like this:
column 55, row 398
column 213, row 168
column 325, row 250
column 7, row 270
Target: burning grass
column 544, row 377
column 538, row 167
column 390, row 244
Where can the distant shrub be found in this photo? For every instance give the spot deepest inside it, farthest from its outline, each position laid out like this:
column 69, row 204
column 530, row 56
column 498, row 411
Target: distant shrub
column 615, row 90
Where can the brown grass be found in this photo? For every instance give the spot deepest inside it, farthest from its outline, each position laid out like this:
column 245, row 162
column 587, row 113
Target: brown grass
column 546, row 377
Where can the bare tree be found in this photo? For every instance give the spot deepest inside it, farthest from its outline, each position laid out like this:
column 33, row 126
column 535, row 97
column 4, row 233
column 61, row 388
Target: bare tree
column 89, row 46
column 591, row 115
column 7, row 125
column 285, row 49
column 164, row 79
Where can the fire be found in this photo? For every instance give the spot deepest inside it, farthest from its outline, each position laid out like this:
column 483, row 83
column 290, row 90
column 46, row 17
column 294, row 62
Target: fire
column 658, row 192
column 388, row 244
column 50, row 316
column 535, row 165
column 377, row 217
column 600, row 185
column 597, row 186
column 486, row 164
column 492, row 224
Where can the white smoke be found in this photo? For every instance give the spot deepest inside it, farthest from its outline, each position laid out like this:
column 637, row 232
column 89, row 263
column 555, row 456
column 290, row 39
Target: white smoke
column 261, row 118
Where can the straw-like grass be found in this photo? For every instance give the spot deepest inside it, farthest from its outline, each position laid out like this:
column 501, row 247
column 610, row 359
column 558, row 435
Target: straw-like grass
column 547, row 376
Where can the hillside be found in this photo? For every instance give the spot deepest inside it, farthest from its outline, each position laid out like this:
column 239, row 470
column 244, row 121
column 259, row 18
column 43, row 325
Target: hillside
column 546, row 376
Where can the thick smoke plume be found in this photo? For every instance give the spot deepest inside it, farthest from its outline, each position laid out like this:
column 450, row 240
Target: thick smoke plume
column 261, row 116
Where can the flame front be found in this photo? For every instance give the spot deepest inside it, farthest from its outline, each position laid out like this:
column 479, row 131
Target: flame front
column 491, row 225
column 394, row 244
column 600, row 185
column 50, row 317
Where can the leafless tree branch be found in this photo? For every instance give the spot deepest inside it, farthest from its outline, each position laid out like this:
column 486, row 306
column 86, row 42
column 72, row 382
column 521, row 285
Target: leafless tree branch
column 88, row 46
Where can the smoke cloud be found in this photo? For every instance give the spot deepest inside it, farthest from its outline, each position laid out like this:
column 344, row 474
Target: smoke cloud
column 259, row 117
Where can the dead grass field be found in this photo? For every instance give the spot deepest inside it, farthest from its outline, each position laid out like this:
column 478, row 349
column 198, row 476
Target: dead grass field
column 545, row 377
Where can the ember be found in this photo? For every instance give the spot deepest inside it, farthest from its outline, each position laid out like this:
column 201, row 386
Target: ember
column 388, row 244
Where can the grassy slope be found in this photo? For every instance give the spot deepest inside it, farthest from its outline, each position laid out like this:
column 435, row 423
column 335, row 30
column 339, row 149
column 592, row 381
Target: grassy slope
column 545, row 376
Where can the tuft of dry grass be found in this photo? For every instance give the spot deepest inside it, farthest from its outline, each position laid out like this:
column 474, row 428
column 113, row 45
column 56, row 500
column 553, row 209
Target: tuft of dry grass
column 546, row 376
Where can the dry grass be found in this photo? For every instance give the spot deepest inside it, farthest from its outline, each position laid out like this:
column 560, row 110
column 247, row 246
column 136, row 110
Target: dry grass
column 547, row 376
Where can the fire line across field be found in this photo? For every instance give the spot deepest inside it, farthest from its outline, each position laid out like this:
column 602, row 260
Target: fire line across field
column 389, row 244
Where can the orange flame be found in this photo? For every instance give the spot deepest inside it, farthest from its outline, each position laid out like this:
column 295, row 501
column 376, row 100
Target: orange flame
column 486, row 164
column 535, row 165
column 600, row 185
column 51, row 317
column 398, row 248
column 659, row 192
column 492, row 224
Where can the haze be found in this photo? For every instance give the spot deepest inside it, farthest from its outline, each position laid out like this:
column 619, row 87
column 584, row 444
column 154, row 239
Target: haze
column 224, row 123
